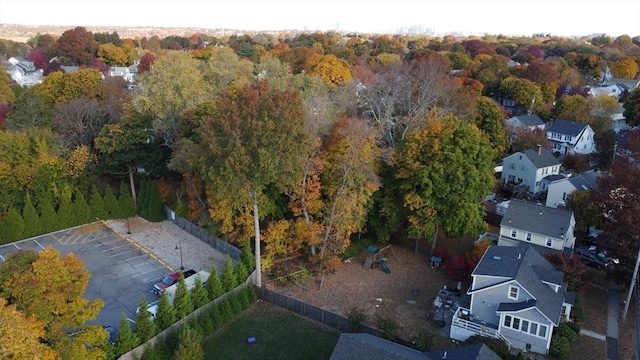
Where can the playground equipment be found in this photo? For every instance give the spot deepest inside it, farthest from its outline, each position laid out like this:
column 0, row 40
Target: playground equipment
column 375, row 257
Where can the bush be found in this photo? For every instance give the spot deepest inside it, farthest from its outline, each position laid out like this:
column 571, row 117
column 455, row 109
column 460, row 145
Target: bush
column 424, row 341
column 578, row 311
column 356, row 248
column 357, row 317
column 389, row 328
column 574, row 326
column 566, row 331
column 560, row 346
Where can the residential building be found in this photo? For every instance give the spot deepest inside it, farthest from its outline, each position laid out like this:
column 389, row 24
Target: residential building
column 530, row 122
column 522, row 172
column 570, row 137
column 560, row 189
column 516, row 296
column 535, row 224
column 23, row 72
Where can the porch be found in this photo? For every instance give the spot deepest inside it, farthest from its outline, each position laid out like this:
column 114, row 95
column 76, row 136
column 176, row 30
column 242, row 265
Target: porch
column 464, row 325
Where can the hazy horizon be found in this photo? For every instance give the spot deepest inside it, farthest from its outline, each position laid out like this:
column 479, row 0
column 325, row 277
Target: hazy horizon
column 524, row 17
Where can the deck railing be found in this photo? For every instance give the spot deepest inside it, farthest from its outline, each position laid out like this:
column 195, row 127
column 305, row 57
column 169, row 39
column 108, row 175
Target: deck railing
column 462, row 318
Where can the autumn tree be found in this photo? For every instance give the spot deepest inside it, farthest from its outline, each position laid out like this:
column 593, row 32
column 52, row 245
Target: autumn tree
column 51, row 290
column 79, row 121
column 585, row 209
column 21, row 335
column 626, row 68
column 490, row 120
column 59, row 87
column 445, row 171
column 29, row 110
column 76, row 47
column 529, row 139
column 632, row 108
column 330, row 69
column 166, row 103
column 256, row 136
column 525, row 93
column 225, row 70
column 112, row 55
column 146, row 61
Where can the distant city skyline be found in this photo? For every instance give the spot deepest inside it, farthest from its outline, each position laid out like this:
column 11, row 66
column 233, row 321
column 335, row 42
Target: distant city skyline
column 515, row 17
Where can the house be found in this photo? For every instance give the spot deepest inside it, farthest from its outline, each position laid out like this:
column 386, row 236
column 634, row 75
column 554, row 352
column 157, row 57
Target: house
column 529, row 223
column 516, row 296
column 613, row 90
column 531, row 122
column 123, row 72
column 560, row 189
column 23, row 72
column 570, row 137
column 524, row 171
column 356, row 346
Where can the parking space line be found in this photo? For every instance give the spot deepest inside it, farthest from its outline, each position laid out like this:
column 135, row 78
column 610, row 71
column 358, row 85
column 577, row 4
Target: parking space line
column 146, row 272
column 114, row 247
column 17, row 247
column 144, row 263
column 120, row 253
column 36, row 241
column 131, row 258
column 2, row 257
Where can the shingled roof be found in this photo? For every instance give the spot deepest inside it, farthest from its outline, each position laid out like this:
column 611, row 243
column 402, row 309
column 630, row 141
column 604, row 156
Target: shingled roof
column 538, row 219
column 530, row 120
column 531, row 271
column 541, row 158
column 566, row 127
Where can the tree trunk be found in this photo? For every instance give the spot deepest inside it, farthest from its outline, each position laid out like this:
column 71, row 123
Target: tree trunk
column 132, row 184
column 256, row 224
column 433, row 244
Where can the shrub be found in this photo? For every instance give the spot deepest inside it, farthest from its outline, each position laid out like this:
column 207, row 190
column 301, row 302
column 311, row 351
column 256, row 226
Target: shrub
column 235, row 303
column 357, row 317
column 560, row 346
column 574, row 326
column 226, row 310
column 566, row 331
column 356, row 248
column 578, row 311
column 424, row 341
column 216, row 317
column 389, row 328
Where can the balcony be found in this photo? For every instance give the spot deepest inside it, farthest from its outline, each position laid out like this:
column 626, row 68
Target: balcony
column 463, row 326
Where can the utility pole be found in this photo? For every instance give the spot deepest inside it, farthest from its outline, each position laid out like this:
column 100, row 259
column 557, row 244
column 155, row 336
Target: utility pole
column 631, row 286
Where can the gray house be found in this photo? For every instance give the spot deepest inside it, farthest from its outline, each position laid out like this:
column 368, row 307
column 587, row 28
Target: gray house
column 357, row 346
column 516, row 296
column 570, row 137
column 529, row 223
column 559, row 189
column 524, row 171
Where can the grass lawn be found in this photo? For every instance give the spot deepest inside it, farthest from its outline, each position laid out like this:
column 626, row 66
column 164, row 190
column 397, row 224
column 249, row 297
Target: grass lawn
column 279, row 334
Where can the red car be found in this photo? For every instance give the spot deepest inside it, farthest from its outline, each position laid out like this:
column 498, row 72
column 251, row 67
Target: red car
column 170, row 279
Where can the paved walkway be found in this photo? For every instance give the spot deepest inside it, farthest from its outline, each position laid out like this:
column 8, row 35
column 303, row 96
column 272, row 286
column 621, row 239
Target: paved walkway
column 613, row 314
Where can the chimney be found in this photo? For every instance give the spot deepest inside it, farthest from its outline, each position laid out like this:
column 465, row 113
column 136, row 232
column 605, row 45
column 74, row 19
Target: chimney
column 539, row 149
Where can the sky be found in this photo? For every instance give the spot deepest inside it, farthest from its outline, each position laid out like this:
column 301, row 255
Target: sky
column 514, row 17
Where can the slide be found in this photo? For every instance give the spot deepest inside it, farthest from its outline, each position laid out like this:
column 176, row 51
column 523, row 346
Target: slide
column 383, row 265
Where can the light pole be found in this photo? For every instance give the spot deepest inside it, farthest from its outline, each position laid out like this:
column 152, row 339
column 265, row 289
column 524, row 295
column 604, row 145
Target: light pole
column 180, row 248
column 128, row 227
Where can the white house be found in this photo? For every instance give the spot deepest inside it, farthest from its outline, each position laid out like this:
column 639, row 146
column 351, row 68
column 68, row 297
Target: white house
column 516, row 296
column 524, row 171
column 570, row 137
column 529, row 223
column 560, row 189
column 23, row 72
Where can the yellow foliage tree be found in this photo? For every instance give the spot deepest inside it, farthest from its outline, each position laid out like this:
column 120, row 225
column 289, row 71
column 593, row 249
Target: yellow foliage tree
column 625, row 68
column 330, row 69
column 21, row 335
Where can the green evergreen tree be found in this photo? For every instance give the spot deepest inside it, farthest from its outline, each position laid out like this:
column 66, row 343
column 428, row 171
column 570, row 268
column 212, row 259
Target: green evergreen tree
column 241, row 272
column 182, row 301
column 243, row 298
column 127, row 205
column 189, row 345
column 199, row 295
column 145, row 325
column 96, row 204
column 31, row 217
column 247, row 257
column 166, row 313
column 226, row 310
column 215, row 289
column 66, row 217
column 48, row 216
column 143, row 199
column 111, row 204
column 236, row 306
column 216, row 317
column 251, row 293
column 229, row 280
column 206, row 322
column 126, row 339
column 82, row 209
column 15, row 227
column 155, row 207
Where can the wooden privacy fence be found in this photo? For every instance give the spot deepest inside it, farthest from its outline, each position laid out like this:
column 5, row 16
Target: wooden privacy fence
column 322, row 316
column 203, row 235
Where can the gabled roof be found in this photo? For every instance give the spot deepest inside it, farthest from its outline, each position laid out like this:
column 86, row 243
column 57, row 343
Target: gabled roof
column 538, row 219
column 566, row 127
column 469, row 352
column 541, row 159
column 529, row 120
column 530, row 270
column 356, row 346
column 553, row 178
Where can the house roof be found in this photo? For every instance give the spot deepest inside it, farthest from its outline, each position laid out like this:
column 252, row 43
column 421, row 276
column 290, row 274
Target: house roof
column 471, row 352
column 542, row 159
column 553, row 177
column 529, row 120
column 529, row 269
column 355, row 346
column 538, row 219
column 566, row 127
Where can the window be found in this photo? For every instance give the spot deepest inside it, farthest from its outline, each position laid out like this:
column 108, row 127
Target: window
column 549, row 242
column 516, row 324
column 507, row 321
column 542, row 332
column 512, row 166
column 564, row 196
column 528, row 236
column 522, row 167
column 525, row 326
column 533, row 329
column 520, row 157
column 514, row 233
column 528, row 347
column 513, row 292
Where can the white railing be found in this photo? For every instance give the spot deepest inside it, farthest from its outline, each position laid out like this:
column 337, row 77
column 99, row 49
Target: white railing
column 476, row 327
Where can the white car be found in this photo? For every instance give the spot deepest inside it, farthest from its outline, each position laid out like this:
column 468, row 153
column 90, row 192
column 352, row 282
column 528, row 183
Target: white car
column 152, row 309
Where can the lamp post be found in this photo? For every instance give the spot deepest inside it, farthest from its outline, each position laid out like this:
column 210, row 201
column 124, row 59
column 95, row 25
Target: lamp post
column 128, row 227
column 180, row 248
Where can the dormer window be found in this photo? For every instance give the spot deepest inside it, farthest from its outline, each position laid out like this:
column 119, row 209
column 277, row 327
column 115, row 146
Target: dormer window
column 513, row 292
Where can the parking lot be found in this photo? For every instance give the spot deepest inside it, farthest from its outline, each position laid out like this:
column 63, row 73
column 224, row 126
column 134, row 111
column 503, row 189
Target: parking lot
column 121, row 270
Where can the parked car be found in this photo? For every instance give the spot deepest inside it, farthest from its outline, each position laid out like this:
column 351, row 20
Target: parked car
column 171, row 279
column 591, row 258
column 152, row 309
